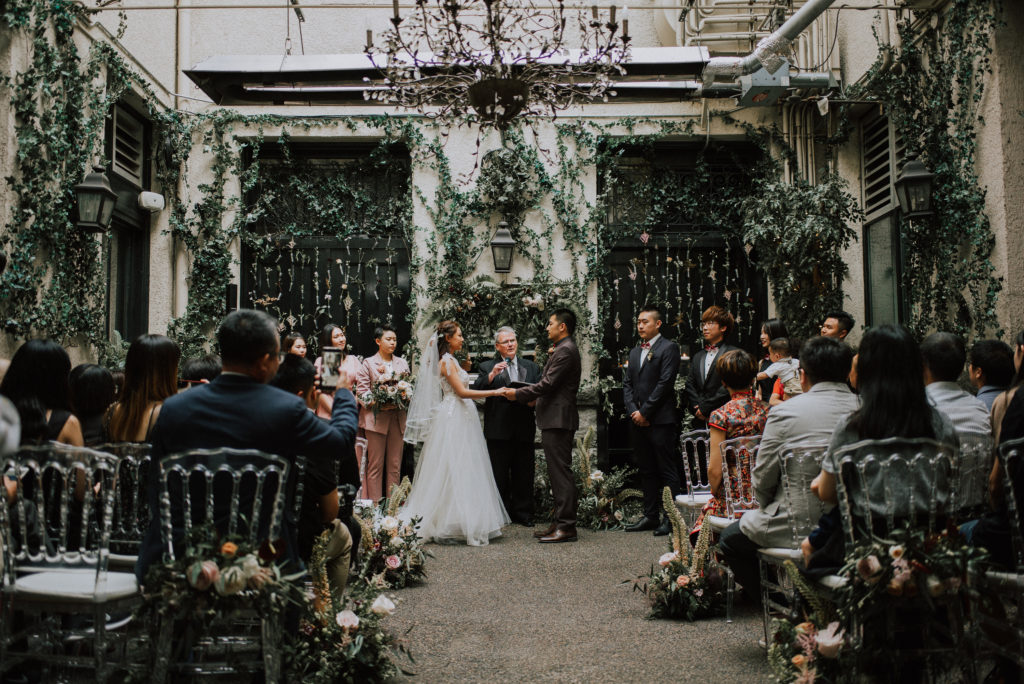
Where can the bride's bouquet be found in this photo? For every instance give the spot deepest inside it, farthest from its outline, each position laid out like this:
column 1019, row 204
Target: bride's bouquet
column 389, row 392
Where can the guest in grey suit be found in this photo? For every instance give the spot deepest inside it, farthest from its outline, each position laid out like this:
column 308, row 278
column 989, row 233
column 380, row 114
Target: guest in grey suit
column 808, row 418
column 944, row 355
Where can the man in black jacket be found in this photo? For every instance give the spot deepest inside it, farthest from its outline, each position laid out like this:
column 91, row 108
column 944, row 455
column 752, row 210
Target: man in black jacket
column 510, row 428
column 648, row 389
column 704, row 391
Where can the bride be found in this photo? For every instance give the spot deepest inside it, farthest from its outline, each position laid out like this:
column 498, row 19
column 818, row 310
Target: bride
column 453, row 490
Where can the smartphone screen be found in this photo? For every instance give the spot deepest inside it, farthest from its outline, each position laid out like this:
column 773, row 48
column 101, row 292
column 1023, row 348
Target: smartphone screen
column 329, row 370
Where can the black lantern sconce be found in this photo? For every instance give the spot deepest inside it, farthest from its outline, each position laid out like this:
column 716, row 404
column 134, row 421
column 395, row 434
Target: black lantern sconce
column 95, row 202
column 502, row 247
column 914, row 189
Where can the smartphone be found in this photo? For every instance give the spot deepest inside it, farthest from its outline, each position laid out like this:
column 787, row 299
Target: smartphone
column 330, row 368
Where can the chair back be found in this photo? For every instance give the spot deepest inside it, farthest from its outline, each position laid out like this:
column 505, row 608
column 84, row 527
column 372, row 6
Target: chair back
column 889, row 483
column 694, row 446
column 239, row 491
column 739, row 456
column 62, row 509
column 971, row 469
column 361, row 460
column 1011, row 456
column 131, row 507
column 800, row 464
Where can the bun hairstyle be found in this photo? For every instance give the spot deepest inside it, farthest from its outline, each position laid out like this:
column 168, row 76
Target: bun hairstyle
column 445, row 329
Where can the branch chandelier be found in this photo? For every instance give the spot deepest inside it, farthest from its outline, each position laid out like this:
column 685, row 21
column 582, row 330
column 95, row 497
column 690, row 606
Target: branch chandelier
column 496, row 60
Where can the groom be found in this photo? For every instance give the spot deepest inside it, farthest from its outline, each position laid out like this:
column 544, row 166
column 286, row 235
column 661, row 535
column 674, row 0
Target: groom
column 558, row 420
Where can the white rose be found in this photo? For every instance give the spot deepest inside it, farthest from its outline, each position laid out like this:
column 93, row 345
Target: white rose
column 667, row 558
column 618, row 515
column 347, row 620
column 231, row 581
column 250, row 565
column 403, row 385
column 830, row 640
column 382, row 605
column 390, row 523
column 397, row 541
column 597, row 476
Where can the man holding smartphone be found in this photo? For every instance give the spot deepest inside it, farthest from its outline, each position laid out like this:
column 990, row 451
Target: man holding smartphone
column 510, row 428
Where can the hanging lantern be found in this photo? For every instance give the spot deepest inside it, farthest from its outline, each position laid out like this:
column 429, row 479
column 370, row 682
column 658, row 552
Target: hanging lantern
column 914, row 189
column 94, row 202
column 502, row 246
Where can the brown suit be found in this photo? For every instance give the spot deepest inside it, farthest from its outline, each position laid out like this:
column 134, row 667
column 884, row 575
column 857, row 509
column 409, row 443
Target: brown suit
column 558, row 420
column 383, row 431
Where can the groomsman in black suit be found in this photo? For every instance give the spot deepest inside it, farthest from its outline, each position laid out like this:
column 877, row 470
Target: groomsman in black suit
column 704, row 391
column 648, row 387
column 510, row 427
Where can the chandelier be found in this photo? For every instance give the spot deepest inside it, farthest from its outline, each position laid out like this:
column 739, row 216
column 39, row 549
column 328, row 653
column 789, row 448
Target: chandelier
column 496, row 60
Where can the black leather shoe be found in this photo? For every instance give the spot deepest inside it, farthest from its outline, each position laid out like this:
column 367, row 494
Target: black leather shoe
column 642, row 525
column 662, row 529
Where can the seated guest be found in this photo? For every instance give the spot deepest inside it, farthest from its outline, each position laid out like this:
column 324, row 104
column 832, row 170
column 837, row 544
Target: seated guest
column 1004, row 399
column 319, row 512
column 238, row 410
column 150, row 377
column 91, row 392
column 892, row 404
column 198, row 371
column 743, row 415
column 703, row 392
column 294, row 343
column 37, row 383
column 807, row 419
column 944, row 356
column 990, row 367
column 837, row 324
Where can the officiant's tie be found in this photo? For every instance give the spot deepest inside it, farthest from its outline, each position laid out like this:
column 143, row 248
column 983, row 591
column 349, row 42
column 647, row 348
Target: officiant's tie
column 513, row 372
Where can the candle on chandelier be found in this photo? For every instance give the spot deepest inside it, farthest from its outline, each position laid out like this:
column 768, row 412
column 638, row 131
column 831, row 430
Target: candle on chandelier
column 611, row 16
column 369, row 38
column 395, row 2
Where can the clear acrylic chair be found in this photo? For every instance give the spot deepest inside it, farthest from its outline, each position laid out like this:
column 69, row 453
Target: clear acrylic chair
column 694, row 447
column 971, row 469
column 739, row 456
column 239, row 492
column 997, row 597
column 58, row 593
column 131, row 508
column 798, row 466
column 891, row 484
column 361, row 460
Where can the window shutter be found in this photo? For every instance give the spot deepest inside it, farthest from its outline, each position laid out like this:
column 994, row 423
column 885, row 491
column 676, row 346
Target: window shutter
column 127, row 155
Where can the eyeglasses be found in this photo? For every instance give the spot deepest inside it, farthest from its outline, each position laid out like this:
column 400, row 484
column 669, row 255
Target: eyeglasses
column 512, row 341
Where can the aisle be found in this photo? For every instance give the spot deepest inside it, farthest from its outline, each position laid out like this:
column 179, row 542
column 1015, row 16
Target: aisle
column 519, row 611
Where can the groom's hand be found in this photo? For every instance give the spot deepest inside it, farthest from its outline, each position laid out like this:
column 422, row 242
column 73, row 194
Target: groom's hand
column 509, row 393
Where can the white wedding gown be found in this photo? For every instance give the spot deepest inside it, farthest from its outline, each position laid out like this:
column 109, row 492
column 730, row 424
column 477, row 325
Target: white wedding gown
column 453, row 490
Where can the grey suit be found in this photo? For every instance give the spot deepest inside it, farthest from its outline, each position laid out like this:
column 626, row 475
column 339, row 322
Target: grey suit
column 806, row 418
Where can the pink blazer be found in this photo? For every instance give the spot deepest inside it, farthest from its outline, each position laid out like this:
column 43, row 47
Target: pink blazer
column 384, row 420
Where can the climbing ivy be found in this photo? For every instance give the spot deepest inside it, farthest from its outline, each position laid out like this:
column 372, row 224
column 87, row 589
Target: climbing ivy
column 932, row 93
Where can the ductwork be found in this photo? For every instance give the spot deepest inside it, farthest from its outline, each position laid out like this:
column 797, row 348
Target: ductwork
column 770, row 51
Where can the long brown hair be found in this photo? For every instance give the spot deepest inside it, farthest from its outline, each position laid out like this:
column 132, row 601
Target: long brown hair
column 445, row 329
column 150, row 374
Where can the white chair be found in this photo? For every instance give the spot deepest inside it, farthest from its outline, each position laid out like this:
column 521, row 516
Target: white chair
column 694, row 446
column 240, row 492
column 57, row 588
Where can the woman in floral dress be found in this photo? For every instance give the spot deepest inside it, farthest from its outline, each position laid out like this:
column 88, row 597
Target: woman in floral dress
column 743, row 416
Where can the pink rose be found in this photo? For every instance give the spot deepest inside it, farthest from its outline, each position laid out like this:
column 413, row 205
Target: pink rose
column 393, row 562
column 203, row 575
column 869, row 568
column 667, row 558
column 682, row 581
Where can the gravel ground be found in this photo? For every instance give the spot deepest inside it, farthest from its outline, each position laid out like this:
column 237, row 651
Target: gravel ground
column 519, row 611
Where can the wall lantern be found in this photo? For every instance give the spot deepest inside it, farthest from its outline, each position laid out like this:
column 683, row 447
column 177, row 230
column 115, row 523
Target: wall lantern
column 95, row 202
column 502, row 246
column 914, row 189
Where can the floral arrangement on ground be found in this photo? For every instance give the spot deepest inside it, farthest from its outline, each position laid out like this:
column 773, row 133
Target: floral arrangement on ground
column 391, row 553
column 686, row 584
column 605, row 501
column 343, row 641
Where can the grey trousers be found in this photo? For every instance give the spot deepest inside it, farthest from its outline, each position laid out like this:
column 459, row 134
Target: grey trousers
column 558, row 453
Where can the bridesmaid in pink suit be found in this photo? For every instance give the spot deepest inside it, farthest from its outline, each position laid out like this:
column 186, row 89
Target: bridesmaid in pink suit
column 384, row 430
column 334, row 336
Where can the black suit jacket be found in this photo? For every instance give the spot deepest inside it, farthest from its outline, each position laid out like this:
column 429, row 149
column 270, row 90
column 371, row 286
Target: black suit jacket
column 556, row 390
column 705, row 392
column 504, row 419
column 238, row 412
column 650, row 389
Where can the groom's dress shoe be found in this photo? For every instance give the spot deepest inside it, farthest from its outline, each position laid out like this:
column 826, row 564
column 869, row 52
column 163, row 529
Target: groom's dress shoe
column 559, row 536
column 642, row 525
column 662, row 529
column 544, row 533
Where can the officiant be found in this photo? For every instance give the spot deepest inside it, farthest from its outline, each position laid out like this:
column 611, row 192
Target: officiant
column 510, row 427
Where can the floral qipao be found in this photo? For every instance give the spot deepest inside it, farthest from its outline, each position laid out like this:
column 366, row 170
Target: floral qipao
column 743, row 416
